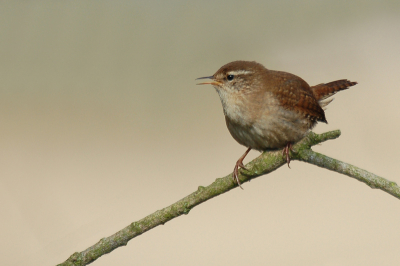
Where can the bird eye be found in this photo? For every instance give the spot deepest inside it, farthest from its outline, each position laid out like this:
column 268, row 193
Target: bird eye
column 230, row 77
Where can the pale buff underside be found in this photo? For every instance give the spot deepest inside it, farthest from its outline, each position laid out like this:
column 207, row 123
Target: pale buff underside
column 272, row 128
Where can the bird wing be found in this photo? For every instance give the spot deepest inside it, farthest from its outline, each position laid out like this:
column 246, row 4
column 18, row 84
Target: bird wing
column 296, row 95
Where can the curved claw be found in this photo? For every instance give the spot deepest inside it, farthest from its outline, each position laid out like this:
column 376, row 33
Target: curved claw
column 235, row 175
column 286, row 151
column 239, row 163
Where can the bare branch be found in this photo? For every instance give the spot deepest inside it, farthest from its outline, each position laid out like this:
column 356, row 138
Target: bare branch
column 265, row 163
column 361, row 175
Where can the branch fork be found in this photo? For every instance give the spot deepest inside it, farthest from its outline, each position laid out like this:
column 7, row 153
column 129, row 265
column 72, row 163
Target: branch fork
column 263, row 164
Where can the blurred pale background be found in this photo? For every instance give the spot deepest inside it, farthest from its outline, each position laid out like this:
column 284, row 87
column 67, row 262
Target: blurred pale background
column 102, row 124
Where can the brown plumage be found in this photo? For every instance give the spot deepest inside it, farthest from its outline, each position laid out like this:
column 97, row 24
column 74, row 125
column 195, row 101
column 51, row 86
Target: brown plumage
column 295, row 94
column 325, row 90
column 266, row 109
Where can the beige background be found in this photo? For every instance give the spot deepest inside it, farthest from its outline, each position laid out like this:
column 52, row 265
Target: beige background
column 102, row 124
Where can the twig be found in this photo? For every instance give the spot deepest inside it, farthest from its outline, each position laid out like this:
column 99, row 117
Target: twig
column 361, row 175
column 265, row 163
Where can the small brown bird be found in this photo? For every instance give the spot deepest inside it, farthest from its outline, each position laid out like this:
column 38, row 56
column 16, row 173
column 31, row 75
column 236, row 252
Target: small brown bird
column 268, row 110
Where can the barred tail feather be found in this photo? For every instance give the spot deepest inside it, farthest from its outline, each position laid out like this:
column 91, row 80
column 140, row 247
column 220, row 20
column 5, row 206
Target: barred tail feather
column 326, row 90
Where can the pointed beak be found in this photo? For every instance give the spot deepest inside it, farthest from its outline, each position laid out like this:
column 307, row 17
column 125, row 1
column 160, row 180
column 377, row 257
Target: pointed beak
column 215, row 83
column 210, row 77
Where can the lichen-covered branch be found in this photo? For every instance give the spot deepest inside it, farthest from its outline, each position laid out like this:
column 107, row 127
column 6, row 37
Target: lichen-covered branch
column 366, row 177
column 265, row 163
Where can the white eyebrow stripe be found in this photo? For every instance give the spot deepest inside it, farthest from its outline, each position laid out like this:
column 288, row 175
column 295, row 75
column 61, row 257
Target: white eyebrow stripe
column 239, row 72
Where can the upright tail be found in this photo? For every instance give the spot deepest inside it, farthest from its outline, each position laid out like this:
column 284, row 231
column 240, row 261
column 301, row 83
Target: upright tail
column 325, row 90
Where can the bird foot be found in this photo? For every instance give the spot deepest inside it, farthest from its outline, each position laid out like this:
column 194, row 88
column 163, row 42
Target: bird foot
column 286, row 152
column 235, row 174
column 239, row 163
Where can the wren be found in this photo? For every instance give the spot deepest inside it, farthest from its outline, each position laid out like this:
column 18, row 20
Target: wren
column 269, row 110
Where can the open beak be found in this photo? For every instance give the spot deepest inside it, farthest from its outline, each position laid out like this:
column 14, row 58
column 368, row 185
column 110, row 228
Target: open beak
column 215, row 83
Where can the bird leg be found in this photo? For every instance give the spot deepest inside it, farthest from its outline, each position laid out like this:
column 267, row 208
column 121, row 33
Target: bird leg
column 238, row 164
column 286, row 151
